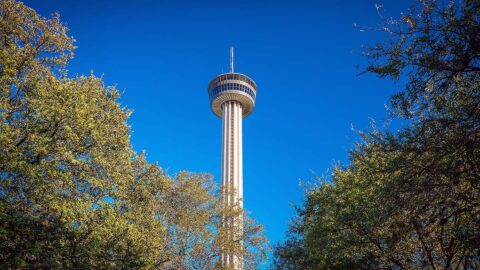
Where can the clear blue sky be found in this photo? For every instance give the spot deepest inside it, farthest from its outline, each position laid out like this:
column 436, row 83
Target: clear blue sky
column 303, row 56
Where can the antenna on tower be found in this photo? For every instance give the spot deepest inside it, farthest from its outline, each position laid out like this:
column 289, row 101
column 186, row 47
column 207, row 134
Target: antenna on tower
column 231, row 59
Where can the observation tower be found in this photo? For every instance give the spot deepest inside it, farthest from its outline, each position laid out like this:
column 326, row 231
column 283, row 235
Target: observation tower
column 232, row 98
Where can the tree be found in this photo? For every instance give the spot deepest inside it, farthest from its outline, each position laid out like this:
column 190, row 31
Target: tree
column 63, row 143
column 184, row 214
column 73, row 192
column 411, row 199
column 192, row 211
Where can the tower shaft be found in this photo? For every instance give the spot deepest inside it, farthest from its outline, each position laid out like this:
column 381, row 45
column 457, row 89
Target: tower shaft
column 232, row 171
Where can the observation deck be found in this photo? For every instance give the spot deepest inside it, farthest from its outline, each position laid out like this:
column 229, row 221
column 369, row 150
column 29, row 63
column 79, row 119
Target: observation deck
column 229, row 87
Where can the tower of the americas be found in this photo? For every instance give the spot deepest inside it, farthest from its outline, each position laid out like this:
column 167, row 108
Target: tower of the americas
column 232, row 98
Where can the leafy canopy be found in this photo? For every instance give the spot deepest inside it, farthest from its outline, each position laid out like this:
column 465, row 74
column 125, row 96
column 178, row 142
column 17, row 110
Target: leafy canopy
column 411, row 199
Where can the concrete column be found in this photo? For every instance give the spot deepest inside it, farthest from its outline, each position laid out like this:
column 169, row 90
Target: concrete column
column 232, row 176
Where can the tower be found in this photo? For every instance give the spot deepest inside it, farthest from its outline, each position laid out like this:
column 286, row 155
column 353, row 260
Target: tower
column 232, row 98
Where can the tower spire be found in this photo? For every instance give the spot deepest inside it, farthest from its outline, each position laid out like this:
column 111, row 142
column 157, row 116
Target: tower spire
column 231, row 59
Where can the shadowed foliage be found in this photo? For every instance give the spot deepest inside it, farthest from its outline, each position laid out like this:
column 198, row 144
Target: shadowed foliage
column 409, row 199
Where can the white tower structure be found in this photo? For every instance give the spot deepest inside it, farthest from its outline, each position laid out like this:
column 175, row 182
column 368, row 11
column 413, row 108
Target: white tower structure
column 232, row 98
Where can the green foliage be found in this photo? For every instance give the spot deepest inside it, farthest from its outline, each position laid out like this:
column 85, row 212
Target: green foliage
column 435, row 47
column 73, row 193
column 407, row 200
